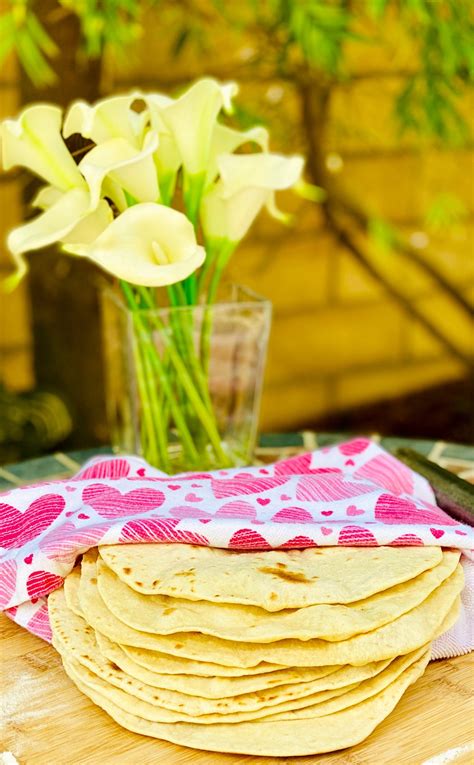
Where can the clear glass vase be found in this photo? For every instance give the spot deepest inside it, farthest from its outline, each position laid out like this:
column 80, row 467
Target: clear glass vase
column 183, row 384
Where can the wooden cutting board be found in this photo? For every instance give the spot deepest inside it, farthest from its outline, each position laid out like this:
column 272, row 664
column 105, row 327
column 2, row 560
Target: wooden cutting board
column 47, row 721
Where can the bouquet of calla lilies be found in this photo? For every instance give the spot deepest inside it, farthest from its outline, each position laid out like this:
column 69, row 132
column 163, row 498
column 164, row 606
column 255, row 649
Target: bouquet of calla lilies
column 160, row 195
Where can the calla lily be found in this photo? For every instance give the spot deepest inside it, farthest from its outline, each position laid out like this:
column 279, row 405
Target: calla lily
column 191, row 119
column 149, row 244
column 66, row 218
column 247, row 183
column 167, row 156
column 108, row 118
column 225, row 140
column 131, row 168
column 33, row 140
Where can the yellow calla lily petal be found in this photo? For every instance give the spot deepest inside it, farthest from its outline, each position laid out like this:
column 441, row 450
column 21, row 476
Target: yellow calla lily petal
column 33, row 140
column 108, row 118
column 247, row 183
column 66, row 220
column 132, row 169
column 225, row 140
column 150, row 245
column 191, row 118
column 264, row 170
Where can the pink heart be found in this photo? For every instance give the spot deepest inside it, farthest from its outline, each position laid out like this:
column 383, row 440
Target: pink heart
column 7, row 581
column 41, row 583
column 437, row 533
column 352, row 510
column 28, row 558
column 396, row 510
column 193, row 498
column 263, row 471
column 299, row 541
column 356, row 536
column 160, row 530
column 356, row 446
column 263, row 501
column 349, row 462
column 285, row 497
column 237, row 509
column 69, row 513
column 141, row 472
column 293, row 515
column 83, row 516
column 110, row 503
column 248, row 539
column 389, row 473
column 326, row 531
column 328, row 487
column 70, row 488
column 244, row 484
column 326, row 512
column 173, row 487
column 188, row 511
column 113, row 468
column 17, row 528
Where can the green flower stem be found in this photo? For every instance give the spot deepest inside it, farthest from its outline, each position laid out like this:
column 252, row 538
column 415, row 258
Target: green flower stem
column 157, row 366
column 156, row 413
column 203, row 410
column 147, row 428
column 221, row 259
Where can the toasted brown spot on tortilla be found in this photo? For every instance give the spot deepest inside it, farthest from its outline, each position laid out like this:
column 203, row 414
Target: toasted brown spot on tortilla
column 94, row 580
column 290, row 576
column 127, row 570
column 167, row 611
column 139, row 584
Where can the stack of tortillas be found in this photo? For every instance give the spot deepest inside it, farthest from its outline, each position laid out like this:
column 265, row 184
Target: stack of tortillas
column 274, row 653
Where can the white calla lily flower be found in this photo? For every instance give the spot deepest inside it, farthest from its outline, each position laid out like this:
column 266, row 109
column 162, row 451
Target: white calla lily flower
column 225, row 140
column 131, row 168
column 34, row 141
column 191, row 119
column 67, row 217
column 149, row 244
column 247, row 183
column 167, row 156
column 108, row 118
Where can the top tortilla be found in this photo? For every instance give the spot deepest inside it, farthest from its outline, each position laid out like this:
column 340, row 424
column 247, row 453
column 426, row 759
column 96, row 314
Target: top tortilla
column 407, row 633
column 272, row 580
column 163, row 615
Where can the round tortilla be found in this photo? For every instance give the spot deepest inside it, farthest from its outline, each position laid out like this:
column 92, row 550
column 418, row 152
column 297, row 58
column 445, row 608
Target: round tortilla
column 75, row 640
column 160, row 614
column 272, row 580
column 209, row 687
column 407, row 633
column 284, row 738
column 156, row 661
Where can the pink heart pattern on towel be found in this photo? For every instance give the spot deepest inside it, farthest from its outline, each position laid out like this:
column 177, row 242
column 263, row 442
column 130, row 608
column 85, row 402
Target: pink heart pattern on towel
column 110, row 503
column 18, row 528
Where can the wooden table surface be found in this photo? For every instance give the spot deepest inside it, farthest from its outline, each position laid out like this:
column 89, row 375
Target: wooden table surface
column 47, row 721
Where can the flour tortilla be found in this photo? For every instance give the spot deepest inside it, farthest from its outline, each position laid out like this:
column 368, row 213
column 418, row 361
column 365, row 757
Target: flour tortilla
column 412, row 630
column 76, row 642
column 160, row 614
column 284, row 738
column 272, row 580
column 156, row 661
column 209, row 687
column 155, row 713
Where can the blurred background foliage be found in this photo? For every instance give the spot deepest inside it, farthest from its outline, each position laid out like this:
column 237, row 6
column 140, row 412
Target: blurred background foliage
column 373, row 283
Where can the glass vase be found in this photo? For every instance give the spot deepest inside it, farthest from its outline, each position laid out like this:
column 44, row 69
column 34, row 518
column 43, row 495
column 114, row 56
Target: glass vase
column 183, row 384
